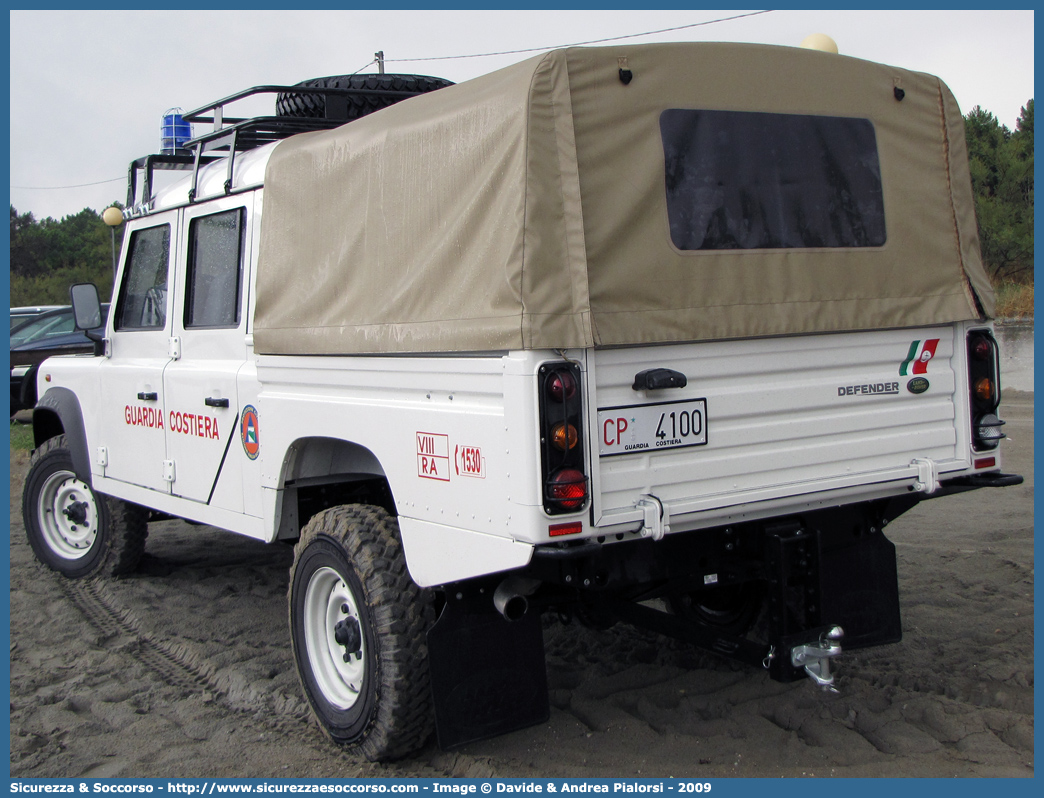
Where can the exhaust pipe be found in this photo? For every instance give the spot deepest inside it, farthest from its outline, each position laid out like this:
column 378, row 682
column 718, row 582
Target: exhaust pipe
column 510, row 596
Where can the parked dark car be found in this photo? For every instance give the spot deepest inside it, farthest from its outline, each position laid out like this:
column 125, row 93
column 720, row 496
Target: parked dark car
column 21, row 315
column 32, row 341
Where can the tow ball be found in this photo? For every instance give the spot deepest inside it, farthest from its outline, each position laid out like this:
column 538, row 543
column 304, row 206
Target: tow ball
column 815, row 657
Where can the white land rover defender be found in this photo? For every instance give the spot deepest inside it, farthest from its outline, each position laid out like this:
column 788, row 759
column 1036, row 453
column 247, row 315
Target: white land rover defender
column 688, row 322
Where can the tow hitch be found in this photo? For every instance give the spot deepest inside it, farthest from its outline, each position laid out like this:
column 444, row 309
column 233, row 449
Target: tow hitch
column 815, row 657
column 818, row 579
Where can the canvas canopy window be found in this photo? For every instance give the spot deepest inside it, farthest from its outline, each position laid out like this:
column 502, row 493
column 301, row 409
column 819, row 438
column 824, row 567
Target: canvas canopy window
column 725, row 191
column 739, row 180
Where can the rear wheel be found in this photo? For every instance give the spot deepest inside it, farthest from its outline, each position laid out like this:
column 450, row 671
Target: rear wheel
column 358, row 628
column 71, row 528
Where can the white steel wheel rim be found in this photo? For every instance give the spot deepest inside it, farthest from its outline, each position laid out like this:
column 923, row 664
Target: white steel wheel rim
column 326, row 599
column 68, row 515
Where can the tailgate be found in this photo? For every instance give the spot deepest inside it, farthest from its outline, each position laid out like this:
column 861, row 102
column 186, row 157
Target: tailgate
column 770, row 419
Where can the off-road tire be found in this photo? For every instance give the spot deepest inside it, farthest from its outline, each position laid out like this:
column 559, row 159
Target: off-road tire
column 72, row 529
column 390, row 714
column 314, row 105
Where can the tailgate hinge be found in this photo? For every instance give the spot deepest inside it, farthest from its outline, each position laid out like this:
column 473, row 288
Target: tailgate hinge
column 656, row 517
column 927, row 475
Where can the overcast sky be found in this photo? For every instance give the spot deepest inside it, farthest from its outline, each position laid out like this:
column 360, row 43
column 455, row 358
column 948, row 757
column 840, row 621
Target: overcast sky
column 89, row 88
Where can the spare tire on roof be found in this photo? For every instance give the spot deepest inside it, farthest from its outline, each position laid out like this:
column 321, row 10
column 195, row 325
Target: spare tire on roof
column 368, row 93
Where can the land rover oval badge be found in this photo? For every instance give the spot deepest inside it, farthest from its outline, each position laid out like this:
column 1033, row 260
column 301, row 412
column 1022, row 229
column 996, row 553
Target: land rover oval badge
column 917, row 385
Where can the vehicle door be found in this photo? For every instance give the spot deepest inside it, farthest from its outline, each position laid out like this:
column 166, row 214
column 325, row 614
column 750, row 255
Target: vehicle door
column 129, row 413
column 209, row 331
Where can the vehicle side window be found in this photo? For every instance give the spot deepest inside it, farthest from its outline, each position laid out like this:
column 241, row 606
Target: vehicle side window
column 215, row 270
column 143, row 295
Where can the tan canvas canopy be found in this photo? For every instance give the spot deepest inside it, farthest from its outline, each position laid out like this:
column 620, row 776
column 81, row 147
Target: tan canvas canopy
column 529, row 208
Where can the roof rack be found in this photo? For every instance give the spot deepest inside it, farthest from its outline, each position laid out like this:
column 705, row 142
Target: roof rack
column 230, row 135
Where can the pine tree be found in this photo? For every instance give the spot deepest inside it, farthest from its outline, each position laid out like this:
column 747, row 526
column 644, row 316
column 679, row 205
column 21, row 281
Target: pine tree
column 1001, row 164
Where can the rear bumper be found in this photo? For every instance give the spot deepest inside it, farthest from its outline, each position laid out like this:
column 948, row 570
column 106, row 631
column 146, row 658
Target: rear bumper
column 993, row 479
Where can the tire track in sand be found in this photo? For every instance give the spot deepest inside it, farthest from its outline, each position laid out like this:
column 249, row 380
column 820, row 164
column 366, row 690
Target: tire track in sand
column 181, row 668
column 173, row 662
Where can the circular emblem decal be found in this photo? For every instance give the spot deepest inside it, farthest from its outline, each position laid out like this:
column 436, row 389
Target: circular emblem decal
column 248, row 432
column 917, row 385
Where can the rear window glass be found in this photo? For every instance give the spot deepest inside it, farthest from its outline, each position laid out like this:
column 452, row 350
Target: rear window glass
column 741, row 180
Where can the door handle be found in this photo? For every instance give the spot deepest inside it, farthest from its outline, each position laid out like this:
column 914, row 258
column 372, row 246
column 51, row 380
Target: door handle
column 657, row 379
column 148, row 396
column 210, row 401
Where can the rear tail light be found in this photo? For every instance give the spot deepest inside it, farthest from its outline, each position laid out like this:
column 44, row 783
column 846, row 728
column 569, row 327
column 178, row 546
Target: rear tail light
column 984, row 379
column 568, row 487
column 561, row 437
column 984, row 390
column 980, row 349
column 988, row 431
column 564, row 436
column 561, row 386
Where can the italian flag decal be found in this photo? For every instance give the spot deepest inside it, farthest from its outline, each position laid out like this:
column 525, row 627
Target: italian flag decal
column 917, row 358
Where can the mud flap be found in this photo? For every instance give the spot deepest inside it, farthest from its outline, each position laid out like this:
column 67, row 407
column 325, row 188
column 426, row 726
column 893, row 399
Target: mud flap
column 487, row 674
column 860, row 587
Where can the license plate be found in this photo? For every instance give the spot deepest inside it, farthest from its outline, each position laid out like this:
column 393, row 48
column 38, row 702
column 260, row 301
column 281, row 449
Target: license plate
column 649, row 428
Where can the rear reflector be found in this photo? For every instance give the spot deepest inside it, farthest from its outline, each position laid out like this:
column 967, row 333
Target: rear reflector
column 986, row 462
column 565, row 529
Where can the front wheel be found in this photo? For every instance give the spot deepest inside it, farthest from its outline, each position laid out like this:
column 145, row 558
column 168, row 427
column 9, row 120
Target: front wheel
column 358, row 628
column 71, row 528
